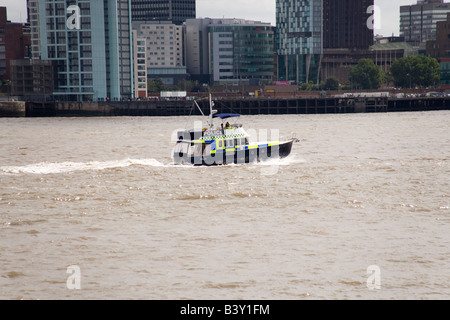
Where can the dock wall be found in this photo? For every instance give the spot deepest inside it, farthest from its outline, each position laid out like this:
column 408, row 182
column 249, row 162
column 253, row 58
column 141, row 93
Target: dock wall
column 12, row 109
column 249, row 106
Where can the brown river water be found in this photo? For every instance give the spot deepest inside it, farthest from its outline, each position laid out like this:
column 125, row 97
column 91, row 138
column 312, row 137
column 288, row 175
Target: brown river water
column 93, row 208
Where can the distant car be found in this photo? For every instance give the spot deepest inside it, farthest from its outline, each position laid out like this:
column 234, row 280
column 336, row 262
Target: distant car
column 435, row 94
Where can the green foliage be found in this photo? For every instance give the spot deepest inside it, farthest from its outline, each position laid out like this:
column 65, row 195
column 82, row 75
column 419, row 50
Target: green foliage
column 331, row 83
column 409, row 72
column 310, row 86
column 155, row 86
column 366, row 75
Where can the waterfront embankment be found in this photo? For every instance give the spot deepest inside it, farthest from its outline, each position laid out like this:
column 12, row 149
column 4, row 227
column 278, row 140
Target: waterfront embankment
column 12, row 109
column 244, row 106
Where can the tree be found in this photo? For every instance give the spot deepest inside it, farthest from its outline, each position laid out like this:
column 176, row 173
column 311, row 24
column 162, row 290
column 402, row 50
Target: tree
column 310, row 86
column 331, row 83
column 366, row 75
column 155, row 86
column 409, row 72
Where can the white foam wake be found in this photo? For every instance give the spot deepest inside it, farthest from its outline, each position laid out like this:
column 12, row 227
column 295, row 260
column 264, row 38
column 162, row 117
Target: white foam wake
column 66, row 167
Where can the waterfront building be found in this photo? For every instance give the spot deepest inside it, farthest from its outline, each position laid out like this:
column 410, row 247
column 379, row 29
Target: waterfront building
column 13, row 43
column 90, row 44
column 322, row 34
column 140, row 66
column 32, row 79
column 33, row 21
column 231, row 51
column 345, row 24
column 197, row 49
column 445, row 74
column 164, row 50
column 440, row 47
column 299, row 39
column 418, row 21
column 175, row 11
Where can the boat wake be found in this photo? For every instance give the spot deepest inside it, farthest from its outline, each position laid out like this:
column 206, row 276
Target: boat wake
column 67, row 167
column 289, row 160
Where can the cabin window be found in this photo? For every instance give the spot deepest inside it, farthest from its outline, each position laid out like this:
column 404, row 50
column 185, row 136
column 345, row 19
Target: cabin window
column 207, row 149
column 220, row 145
column 230, row 143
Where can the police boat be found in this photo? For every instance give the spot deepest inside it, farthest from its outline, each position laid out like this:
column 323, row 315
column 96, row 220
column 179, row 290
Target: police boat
column 224, row 144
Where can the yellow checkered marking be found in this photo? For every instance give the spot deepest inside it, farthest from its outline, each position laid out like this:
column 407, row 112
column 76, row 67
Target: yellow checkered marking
column 223, row 137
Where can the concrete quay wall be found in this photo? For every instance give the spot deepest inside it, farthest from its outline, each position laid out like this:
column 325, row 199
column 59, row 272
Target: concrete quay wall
column 246, row 106
column 12, row 109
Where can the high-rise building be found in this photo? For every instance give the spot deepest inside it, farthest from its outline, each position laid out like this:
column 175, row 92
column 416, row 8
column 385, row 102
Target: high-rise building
column 90, row 43
column 176, row 11
column 345, row 24
column 418, row 21
column 234, row 51
column 299, row 39
column 308, row 29
column 33, row 20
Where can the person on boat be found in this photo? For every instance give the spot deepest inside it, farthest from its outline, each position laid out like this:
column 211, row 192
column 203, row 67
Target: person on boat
column 228, row 125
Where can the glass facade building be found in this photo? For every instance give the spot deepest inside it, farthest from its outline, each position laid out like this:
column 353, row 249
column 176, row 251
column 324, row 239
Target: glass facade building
column 308, row 30
column 241, row 51
column 90, row 43
column 233, row 51
column 299, row 39
column 445, row 74
column 176, row 11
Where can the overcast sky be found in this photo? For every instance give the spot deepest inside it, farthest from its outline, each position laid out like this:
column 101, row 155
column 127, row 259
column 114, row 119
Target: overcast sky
column 261, row 10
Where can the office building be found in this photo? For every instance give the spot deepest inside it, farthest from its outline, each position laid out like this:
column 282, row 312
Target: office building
column 313, row 36
column 299, row 39
column 440, row 48
column 90, row 44
column 445, row 74
column 33, row 21
column 345, row 24
column 175, row 11
column 32, row 79
column 418, row 21
column 233, row 51
column 197, row 49
column 164, row 50
column 140, row 66
column 13, row 43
